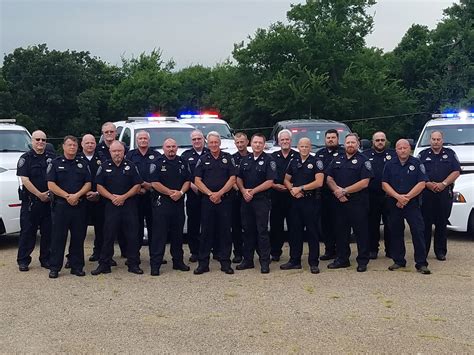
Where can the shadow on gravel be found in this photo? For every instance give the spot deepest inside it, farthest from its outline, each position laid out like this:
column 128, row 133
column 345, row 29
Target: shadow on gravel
column 9, row 241
column 460, row 236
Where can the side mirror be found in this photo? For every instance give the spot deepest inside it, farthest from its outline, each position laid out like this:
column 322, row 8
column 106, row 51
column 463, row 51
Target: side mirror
column 365, row 144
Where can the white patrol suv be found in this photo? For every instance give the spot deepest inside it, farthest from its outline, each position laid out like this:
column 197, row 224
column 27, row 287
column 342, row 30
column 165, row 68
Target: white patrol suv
column 14, row 141
column 458, row 135
column 159, row 129
column 211, row 122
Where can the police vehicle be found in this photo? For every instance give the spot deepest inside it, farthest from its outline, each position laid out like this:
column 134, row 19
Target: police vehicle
column 14, row 141
column 458, row 135
column 211, row 122
column 159, row 129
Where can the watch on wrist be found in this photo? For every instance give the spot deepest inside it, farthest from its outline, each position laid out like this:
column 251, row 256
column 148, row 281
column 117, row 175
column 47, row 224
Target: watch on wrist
column 444, row 183
column 302, row 188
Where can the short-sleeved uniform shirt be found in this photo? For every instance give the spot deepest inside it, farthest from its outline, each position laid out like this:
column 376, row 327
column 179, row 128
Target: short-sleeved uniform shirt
column 282, row 163
column 403, row 177
column 327, row 156
column 215, row 172
column 143, row 162
column 439, row 166
column 191, row 157
column 94, row 163
column 172, row 173
column 104, row 153
column 118, row 180
column 378, row 160
column 303, row 173
column 254, row 172
column 69, row 174
column 34, row 166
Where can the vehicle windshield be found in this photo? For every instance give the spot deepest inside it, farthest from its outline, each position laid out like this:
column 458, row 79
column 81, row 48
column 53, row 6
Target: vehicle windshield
column 182, row 136
column 14, row 141
column 460, row 134
column 316, row 134
column 220, row 128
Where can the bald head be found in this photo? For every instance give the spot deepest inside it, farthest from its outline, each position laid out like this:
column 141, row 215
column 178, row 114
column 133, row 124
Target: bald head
column 88, row 144
column 117, row 152
column 403, row 149
column 170, row 148
column 304, row 147
column 38, row 141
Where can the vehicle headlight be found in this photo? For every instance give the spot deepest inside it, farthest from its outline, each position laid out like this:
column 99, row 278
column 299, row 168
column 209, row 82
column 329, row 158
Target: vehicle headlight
column 2, row 170
column 458, row 197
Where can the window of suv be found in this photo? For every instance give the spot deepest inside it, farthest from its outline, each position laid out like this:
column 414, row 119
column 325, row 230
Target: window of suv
column 182, row 136
column 14, row 141
column 459, row 134
column 222, row 129
column 126, row 137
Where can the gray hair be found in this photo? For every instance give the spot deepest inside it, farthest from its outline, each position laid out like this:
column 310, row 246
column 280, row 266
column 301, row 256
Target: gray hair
column 213, row 134
column 141, row 132
column 196, row 131
column 283, row 131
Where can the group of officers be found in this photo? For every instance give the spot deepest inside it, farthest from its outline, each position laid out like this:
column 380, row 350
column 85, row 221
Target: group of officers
column 230, row 200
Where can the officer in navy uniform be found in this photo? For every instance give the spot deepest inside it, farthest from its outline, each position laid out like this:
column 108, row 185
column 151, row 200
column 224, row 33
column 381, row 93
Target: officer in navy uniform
column 69, row 179
column 118, row 181
column 214, row 175
column 442, row 168
column 257, row 173
column 378, row 155
column 280, row 196
column 143, row 156
column 348, row 177
column 403, row 180
column 329, row 201
column 241, row 142
column 170, row 179
column 304, row 178
column 35, row 202
column 194, row 196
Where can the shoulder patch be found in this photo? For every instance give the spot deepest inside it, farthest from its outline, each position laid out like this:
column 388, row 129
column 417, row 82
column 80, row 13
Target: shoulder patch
column 320, row 164
column 368, row 165
column 273, row 165
column 50, row 166
column 21, row 162
column 152, row 168
column 422, row 168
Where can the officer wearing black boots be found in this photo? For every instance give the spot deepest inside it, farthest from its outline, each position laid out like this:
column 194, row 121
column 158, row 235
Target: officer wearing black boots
column 69, row 179
column 331, row 151
column 214, row 176
column 35, row 202
column 194, row 196
column 304, row 178
column 442, row 168
column 256, row 175
column 348, row 178
column 403, row 180
column 118, row 181
column 378, row 155
column 169, row 176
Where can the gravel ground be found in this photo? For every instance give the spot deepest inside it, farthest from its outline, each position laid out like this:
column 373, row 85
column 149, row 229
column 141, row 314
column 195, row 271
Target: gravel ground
column 283, row 312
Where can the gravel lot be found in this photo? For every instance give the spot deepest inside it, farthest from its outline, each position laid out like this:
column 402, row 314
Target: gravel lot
column 284, row 312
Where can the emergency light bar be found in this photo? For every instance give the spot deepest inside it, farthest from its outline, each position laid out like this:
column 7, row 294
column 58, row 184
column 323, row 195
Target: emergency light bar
column 199, row 116
column 461, row 115
column 7, row 120
column 153, row 119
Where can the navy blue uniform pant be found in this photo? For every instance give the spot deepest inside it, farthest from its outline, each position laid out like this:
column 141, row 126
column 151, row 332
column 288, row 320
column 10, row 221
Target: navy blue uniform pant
column 168, row 219
column 144, row 214
column 304, row 214
column 237, row 240
column 397, row 216
column 436, row 208
column 280, row 210
column 352, row 214
column 378, row 209
column 255, row 215
column 73, row 219
column 193, row 212
column 95, row 217
column 34, row 214
column 327, row 220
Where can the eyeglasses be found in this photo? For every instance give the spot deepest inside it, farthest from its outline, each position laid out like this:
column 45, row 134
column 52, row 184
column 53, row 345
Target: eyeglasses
column 380, row 140
column 40, row 139
column 196, row 139
column 109, row 132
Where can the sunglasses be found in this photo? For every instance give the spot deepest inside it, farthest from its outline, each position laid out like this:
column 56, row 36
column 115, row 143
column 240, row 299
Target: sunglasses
column 40, row 139
column 109, row 132
column 197, row 139
column 380, row 140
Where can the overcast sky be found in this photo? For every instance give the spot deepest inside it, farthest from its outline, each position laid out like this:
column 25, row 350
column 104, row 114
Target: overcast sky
column 189, row 31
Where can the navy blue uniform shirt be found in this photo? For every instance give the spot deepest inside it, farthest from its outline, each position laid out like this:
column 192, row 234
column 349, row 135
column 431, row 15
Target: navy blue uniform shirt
column 282, row 163
column 254, row 172
column 142, row 162
column 69, row 175
column 215, row 172
column 439, row 166
column 172, row 173
column 94, row 164
column 327, row 156
column 347, row 172
column 33, row 166
column 303, row 173
column 104, row 153
column 378, row 160
column 238, row 158
column 118, row 180
column 191, row 157
column 402, row 178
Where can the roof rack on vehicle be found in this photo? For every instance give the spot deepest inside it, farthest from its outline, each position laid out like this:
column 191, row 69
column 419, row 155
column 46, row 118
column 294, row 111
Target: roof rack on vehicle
column 7, row 120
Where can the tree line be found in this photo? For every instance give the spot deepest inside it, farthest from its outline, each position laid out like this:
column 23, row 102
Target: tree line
column 317, row 65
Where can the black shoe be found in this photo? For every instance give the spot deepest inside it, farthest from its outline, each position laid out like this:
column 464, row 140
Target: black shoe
column 45, row 265
column 201, row 270
column 395, row 267
column 164, row 262
column 290, row 266
column 327, row 256
column 362, row 268
column 264, row 269
column 101, row 270
column 245, row 265
column 338, row 265
column 275, row 258
column 23, row 267
column 441, row 257
column 78, row 272
column 53, row 274
column 314, row 269
column 237, row 259
column 94, row 257
column 135, row 270
column 181, row 267
column 193, row 258
column 424, row 270
column 155, row 272
column 227, row 270
column 373, row 255
column 114, row 263
column 67, row 265
column 387, row 254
